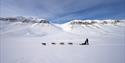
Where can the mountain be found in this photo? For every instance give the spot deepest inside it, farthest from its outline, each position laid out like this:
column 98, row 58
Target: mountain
column 92, row 25
column 24, row 19
column 30, row 25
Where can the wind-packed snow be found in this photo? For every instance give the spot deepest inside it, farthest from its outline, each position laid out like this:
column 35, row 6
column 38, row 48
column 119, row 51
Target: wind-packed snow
column 20, row 42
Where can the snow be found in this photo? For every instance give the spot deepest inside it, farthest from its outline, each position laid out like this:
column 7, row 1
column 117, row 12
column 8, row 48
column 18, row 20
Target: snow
column 21, row 42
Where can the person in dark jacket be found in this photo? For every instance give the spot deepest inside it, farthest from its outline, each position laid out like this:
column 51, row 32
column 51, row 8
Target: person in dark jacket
column 87, row 41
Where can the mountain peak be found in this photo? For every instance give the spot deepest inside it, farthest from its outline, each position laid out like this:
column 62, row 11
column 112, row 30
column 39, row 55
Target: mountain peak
column 24, row 19
column 90, row 22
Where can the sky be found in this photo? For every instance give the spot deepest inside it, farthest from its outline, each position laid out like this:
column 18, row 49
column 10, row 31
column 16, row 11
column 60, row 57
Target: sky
column 61, row 11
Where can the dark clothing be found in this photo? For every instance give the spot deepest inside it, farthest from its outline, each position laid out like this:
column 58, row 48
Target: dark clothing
column 87, row 41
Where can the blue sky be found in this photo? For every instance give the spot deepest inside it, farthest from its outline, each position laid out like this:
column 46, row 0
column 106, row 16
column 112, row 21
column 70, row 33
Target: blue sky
column 60, row 11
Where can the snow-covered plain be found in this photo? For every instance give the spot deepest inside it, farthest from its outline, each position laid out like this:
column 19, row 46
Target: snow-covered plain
column 21, row 42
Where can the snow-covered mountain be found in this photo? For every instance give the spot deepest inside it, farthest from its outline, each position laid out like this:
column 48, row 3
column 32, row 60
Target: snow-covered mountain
column 97, row 25
column 42, row 27
column 24, row 19
column 21, row 39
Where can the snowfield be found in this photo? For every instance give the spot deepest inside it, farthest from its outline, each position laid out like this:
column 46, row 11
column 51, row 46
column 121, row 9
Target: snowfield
column 20, row 42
